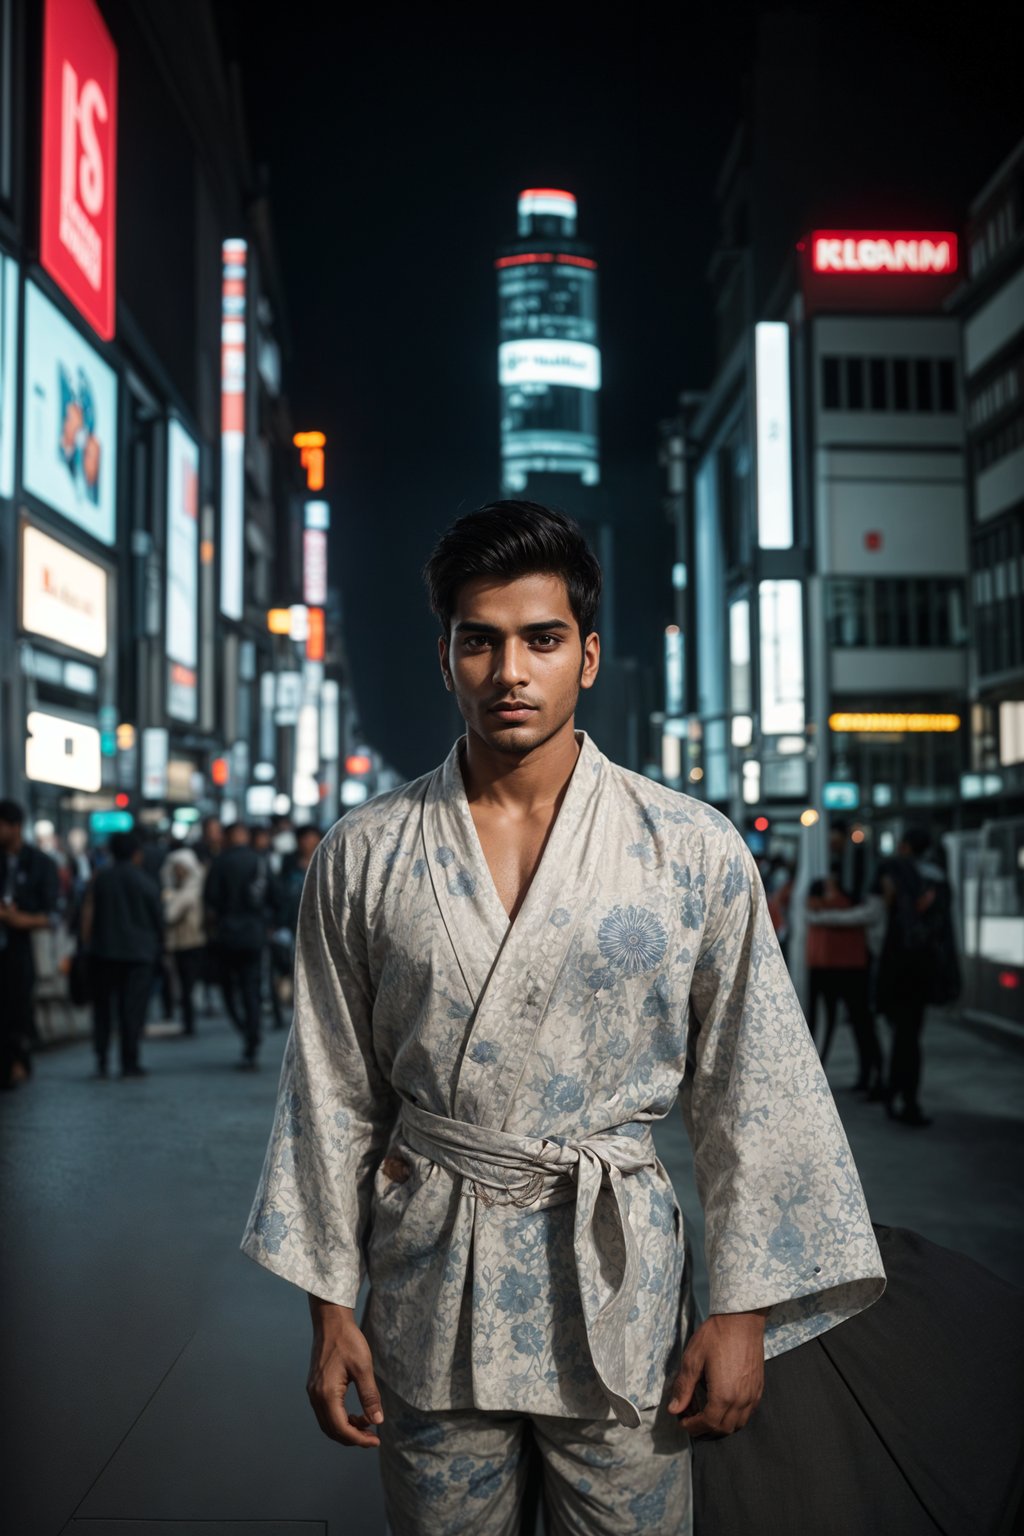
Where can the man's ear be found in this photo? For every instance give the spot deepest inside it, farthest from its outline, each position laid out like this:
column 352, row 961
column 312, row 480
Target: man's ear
column 442, row 656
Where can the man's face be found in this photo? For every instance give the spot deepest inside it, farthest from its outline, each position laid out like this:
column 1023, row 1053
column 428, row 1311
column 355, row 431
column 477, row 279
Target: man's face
column 8, row 835
column 515, row 661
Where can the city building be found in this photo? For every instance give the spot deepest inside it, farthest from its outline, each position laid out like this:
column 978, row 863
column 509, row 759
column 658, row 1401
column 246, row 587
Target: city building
column 990, row 306
column 988, row 853
column 549, row 358
column 151, row 494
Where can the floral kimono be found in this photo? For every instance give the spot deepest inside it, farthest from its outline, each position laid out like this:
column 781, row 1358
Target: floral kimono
column 465, row 1103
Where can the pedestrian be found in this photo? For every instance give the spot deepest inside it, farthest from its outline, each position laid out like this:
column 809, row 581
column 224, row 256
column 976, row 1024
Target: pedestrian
column 505, row 971
column 838, row 973
column 211, row 840
column 236, row 898
column 779, row 885
column 919, row 964
column 185, row 937
column 286, row 894
column 28, row 903
column 122, row 929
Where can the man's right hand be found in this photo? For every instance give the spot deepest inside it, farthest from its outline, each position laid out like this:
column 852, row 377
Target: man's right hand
column 341, row 1355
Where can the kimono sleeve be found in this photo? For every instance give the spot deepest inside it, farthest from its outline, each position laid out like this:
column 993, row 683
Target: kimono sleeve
column 785, row 1218
column 335, row 1108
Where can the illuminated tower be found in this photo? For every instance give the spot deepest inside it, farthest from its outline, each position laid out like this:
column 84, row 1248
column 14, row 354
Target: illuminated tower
column 549, row 361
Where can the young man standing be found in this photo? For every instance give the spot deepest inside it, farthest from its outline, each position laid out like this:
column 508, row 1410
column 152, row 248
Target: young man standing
column 505, row 972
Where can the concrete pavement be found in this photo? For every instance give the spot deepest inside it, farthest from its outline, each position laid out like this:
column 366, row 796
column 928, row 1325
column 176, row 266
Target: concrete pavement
column 153, row 1378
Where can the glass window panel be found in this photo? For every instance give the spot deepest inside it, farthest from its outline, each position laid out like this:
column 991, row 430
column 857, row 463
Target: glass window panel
column 854, row 383
column 878, row 394
column 947, row 385
column 900, row 384
column 923, row 383
column 830, row 382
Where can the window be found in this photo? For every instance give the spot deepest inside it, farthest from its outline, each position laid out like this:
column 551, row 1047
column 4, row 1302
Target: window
column 830, row 383
column 923, row 383
column 898, row 613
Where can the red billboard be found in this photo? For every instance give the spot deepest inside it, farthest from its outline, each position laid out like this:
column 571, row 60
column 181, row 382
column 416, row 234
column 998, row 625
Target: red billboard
column 79, row 187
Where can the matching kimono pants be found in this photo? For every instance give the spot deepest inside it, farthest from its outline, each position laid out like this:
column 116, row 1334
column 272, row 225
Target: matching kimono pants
column 452, row 1471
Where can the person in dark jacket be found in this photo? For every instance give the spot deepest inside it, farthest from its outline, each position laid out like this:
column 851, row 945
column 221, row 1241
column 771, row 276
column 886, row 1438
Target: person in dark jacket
column 28, row 900
column 122, row 928
column 918, row 966
column 236, row 920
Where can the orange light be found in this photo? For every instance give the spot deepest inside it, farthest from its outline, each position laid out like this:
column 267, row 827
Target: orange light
column 121, row 800
column 279, row 621
column 315, row 637
column 311, row 456
column 206, row 552
column 220, row 771
column 857, row 835
column 761, row 824
column 357, row 764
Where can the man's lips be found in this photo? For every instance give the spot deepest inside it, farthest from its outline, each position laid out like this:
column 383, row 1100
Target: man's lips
column 514, row 708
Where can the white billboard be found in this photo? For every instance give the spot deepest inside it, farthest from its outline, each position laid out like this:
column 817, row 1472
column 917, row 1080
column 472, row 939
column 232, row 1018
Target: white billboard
column 182, row 572
column 782, row 657
column 63, row 595
column 59, row 751
column 546, row 360
column 774, row 464
column 69, row 443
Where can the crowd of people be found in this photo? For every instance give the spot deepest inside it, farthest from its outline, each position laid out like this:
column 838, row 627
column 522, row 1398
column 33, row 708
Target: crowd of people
column 891, row 950
column 153, row 917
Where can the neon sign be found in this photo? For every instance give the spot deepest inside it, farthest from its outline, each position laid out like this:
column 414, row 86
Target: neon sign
column 888, row 251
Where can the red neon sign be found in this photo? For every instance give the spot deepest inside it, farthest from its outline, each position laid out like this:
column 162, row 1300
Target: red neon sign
column 883, row 251
column 78, row 205
column 562, row 260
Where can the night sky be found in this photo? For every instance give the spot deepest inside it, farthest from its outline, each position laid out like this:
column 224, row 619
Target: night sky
column 395, row 147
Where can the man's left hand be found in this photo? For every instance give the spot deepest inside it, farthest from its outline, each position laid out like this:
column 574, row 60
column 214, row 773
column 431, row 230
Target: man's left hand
column 727, row 1351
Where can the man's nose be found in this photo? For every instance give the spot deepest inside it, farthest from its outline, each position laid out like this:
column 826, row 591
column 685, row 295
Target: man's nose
column 510, row 663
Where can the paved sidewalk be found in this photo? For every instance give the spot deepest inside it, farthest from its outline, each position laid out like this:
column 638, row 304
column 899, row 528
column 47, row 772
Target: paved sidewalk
column 153, row 1378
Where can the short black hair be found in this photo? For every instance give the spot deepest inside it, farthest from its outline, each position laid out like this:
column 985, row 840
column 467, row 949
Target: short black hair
column 508, row 539
column 308, row 829
column 11, row 813
column 124, row 846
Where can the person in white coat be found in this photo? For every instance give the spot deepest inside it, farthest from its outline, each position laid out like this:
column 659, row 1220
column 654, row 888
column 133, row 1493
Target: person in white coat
column 182, row 878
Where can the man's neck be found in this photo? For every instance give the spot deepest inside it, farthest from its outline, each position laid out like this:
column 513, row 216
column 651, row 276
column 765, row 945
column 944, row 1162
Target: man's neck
column 522, row 785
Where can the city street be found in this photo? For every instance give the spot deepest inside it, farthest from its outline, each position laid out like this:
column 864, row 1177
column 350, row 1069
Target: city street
column 154, row 1377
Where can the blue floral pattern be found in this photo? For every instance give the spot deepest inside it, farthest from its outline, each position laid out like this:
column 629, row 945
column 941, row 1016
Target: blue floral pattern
column 642, row 971
column 632, row 939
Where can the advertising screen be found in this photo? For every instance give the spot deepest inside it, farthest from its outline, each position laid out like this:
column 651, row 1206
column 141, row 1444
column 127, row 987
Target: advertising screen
column 78, row 212
column 60, row 751
column 63, row 595
column 8, row 371
column 182, row 572
column 70, row 430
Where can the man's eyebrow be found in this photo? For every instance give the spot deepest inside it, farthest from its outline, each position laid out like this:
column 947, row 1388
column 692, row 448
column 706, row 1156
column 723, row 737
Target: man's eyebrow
column 477, row 627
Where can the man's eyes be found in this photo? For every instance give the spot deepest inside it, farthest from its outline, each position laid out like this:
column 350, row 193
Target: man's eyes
column 480, row 642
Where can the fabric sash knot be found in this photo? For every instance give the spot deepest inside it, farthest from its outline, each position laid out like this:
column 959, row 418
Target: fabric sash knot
column 535, row 1172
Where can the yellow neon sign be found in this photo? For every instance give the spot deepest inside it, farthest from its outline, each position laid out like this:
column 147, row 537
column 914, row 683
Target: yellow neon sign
column 895, row 724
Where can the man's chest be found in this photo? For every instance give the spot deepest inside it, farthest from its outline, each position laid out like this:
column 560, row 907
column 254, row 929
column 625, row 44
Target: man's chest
column 512, row 851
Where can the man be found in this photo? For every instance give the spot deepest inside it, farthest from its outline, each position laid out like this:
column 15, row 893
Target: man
column 122, row 929
column 286, row 894
column 918, row 965
column 28, row 900
column 505, row 971
column 236, row 898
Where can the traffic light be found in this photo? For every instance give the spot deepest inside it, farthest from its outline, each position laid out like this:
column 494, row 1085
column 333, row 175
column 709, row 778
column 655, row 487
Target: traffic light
column 761, row 824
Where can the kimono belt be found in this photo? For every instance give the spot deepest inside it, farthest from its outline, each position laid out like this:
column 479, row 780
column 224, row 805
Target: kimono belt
column 536, row 1172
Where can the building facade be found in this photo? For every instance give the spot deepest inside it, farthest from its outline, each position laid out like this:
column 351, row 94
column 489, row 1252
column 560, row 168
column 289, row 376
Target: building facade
column 819, row 659
column 151, row 495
